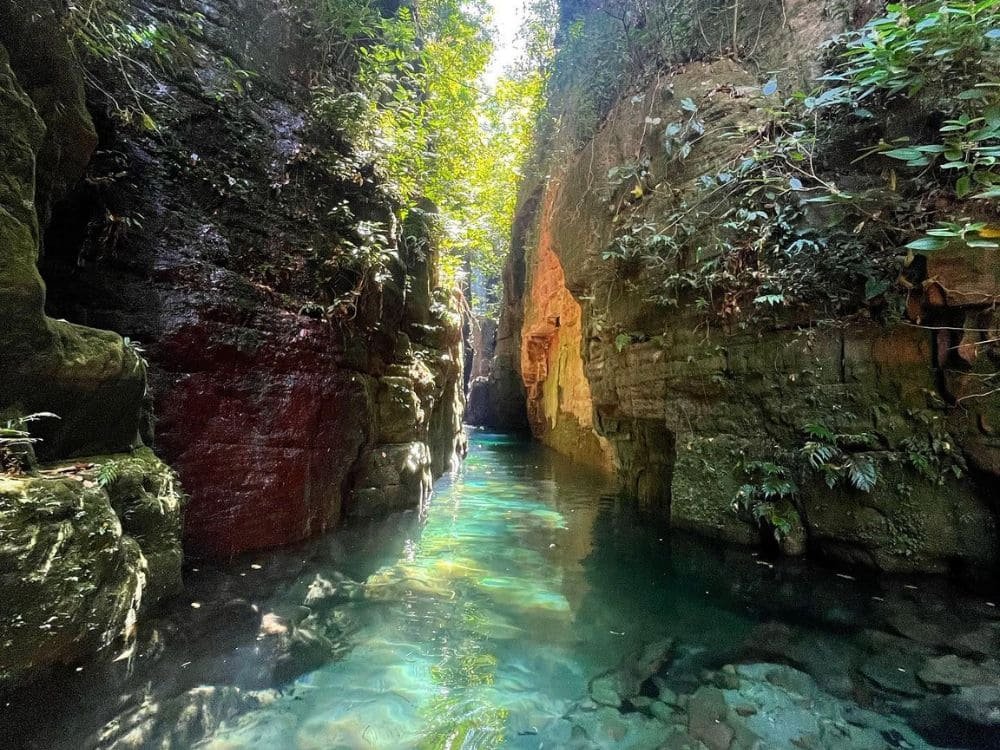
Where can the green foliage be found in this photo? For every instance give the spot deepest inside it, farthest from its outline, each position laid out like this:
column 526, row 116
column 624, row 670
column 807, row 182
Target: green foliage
column 415, row 106
column 105, row 32
column 840, row 457
column 341, row 27
column 109, row 473
column 770, row 487
column 357, row 253
column 772, row 230
column 678, row 137
column 623, row 340
column 743, row 242
column 928, row 50
column 967, row 234
column 16, row 442
column 495, row 169
column 605, row 50
column 931, row 451
column 943, row 58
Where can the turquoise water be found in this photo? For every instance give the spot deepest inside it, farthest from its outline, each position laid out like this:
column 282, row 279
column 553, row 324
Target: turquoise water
column 490, row 624
column 481, row 621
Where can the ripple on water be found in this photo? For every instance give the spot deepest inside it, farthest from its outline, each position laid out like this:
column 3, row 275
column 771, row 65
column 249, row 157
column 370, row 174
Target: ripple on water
column 486, row 626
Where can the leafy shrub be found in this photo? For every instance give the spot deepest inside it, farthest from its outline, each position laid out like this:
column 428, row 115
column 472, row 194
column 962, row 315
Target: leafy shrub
column 945, row 59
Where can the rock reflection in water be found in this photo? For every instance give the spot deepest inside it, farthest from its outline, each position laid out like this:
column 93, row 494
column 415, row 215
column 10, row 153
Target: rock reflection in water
column 533, row 608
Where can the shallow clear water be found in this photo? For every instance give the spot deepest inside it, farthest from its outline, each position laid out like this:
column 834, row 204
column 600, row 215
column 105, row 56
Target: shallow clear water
column 492, row 620
column 481, row 621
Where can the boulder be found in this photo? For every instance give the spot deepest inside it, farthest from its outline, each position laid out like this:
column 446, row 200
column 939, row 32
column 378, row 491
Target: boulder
column 626, row 681
column 80, row 561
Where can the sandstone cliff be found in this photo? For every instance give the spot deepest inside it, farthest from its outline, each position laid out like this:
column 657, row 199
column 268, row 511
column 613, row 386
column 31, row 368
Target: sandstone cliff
column 689, row 399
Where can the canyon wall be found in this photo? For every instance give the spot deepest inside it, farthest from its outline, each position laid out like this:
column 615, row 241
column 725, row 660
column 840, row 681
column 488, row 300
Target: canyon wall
column 290, row 390
column 189, row 198
column 86, row 545
column 686, row 405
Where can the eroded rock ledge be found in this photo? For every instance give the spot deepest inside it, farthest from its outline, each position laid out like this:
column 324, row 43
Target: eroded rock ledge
column 82, row 559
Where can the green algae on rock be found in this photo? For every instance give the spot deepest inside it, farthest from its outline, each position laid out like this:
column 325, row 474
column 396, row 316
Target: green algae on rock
column 80, row 561
column 80, row 558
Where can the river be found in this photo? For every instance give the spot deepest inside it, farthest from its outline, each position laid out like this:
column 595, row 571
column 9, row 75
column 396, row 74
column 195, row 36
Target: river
column 530, row 606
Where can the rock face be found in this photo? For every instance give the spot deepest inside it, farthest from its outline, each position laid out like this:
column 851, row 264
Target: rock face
column 480, row 410
column 90, row 378
column 290, row 390
column 84, row 547
column 679, row 406
column 81, row 561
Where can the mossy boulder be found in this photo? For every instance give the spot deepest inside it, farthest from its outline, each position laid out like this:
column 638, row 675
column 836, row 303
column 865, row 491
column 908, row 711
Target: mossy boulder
column 83, row 551
column 147, row 497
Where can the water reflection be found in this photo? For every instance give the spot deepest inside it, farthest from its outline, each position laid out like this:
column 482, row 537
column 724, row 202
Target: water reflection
column 511, row 616
column 469, row 634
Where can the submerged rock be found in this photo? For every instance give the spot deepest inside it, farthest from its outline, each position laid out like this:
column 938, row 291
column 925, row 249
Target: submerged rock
column 744, row 707
column 789, row 711
column 625, row 681
column 179, row 723
column 951, row 671
column 969, row 718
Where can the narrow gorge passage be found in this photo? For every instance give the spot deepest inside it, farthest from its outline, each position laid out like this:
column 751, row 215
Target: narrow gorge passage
column 473, row 374
column 526, row 606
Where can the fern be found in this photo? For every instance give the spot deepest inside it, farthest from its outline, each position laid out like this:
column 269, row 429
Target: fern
column 835, row 456
column 773, row 487
column 818, row 454
column 15, row 431
column 773, row 483
column 767, row 515
column 820, row 432
column 108, row 474
column 862, row 472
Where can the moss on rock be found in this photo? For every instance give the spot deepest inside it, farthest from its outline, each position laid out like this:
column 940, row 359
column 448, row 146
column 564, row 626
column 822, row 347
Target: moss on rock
column 91, row 379
column 79, row 561
column 82, row 550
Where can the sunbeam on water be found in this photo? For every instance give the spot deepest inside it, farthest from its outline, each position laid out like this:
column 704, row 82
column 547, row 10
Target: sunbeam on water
column 531, row 607
column 468, row 640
